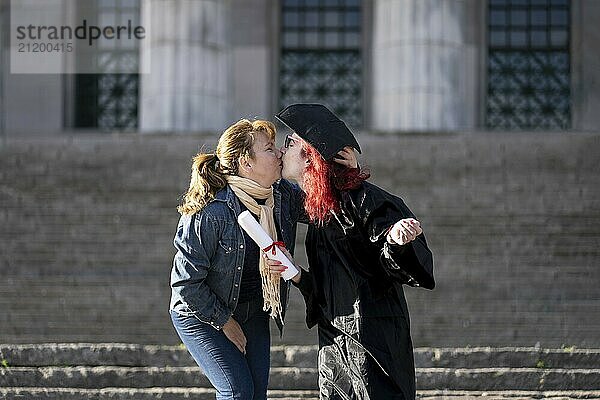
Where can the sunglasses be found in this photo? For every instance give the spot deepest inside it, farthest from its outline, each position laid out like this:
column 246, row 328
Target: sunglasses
column 288, row 140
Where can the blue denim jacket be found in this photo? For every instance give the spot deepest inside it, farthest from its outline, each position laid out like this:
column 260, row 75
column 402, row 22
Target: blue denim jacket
column 207, row 268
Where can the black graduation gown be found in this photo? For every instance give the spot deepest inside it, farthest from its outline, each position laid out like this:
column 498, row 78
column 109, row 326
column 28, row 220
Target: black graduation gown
column 353, row 291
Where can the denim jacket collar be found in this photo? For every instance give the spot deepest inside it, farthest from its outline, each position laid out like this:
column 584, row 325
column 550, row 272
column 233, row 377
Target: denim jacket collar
column 227, row 195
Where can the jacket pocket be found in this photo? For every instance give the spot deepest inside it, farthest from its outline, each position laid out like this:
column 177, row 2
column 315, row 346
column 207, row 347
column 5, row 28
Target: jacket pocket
column 226, row 258
column 227, row 246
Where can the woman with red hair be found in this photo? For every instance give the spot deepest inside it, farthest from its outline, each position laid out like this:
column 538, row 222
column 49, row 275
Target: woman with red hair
column 362, row 245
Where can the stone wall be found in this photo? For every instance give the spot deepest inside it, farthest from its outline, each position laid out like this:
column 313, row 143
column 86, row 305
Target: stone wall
column 86, row 224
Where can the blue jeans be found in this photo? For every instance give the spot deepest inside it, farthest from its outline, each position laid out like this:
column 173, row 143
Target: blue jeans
column 233, row 374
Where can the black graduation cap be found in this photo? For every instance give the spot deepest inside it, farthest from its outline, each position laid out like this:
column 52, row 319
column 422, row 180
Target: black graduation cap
column 316, row 124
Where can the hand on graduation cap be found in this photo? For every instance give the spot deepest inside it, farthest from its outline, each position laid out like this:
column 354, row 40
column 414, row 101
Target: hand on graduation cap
column 276, row 268
column 346, row 157
column 404, row 231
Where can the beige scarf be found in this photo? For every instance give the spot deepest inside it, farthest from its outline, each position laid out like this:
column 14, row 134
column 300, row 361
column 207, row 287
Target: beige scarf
column 247, row 190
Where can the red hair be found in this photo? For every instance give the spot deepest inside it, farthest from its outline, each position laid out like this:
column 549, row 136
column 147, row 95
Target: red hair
column 322, row 182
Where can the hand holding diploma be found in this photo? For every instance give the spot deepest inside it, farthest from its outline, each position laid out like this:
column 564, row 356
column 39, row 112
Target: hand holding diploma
column 271, row 249
column 277, row 268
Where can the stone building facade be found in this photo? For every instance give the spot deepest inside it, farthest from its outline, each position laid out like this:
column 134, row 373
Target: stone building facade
column 385, row 65
column 87, row 218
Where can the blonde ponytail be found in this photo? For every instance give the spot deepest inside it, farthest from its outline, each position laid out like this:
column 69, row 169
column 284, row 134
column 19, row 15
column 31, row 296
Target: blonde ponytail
column 205, row 182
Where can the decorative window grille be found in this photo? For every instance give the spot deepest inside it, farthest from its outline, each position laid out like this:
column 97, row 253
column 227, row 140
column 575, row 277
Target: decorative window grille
column 321, row 55
column 109, row 101
column 528, row 64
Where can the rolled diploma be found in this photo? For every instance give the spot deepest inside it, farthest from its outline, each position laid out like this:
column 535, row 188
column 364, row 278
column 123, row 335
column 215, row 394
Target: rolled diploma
column 263, row 240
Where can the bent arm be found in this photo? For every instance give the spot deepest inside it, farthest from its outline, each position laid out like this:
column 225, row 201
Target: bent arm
column 196, row 240
column 411, row 263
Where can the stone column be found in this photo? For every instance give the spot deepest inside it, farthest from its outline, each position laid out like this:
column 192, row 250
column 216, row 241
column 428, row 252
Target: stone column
column 252, row 38
column 32, row 104
column 426, row 73
column 188, row 86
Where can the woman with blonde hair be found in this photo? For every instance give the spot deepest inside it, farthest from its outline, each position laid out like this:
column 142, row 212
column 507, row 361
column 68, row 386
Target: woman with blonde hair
column 220, row 300
column 222, row 293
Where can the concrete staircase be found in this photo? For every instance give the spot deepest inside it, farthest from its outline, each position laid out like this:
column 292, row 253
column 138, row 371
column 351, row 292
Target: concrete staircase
column 513, row 220
column 140, row 372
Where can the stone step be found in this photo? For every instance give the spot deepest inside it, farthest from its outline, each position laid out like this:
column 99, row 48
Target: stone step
column 507, row 394
column 105, row 227
column 176, row 393
column 136, row 355
column 52, row 251
column 131, row 355
column 509, row 357
column 48, row 245
column 170, row 393
column 508, row 379
column 285, row 378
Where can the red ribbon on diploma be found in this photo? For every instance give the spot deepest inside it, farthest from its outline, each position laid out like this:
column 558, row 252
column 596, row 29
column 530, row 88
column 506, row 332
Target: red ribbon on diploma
column 272, row 247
